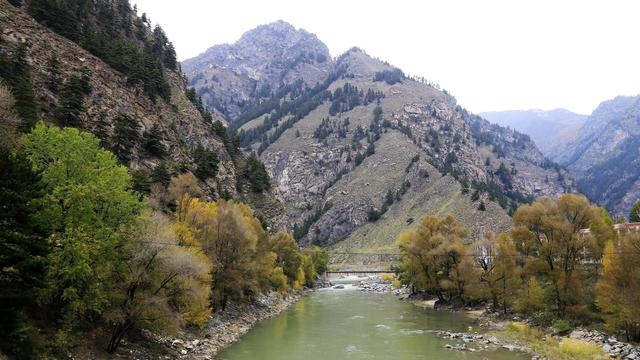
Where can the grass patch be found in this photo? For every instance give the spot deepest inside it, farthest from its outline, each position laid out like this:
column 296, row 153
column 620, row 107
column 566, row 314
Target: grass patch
column 547, row 346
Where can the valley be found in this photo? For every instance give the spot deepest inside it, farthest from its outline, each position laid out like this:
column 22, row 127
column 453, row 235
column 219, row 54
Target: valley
column 273, row 198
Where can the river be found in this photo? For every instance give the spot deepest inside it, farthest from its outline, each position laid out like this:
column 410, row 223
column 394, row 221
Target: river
column 333, row 324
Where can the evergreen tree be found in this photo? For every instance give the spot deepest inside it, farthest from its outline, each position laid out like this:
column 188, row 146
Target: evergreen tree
column 72, row 99
column 54, row 77
column 125, row 136
column 23, row 249
column 160, row 174
column 140, row 182
column 170, row 57
column 634, row 214
column 16, row 72
column 152, row 141
column 256, row 174
column 206, row 162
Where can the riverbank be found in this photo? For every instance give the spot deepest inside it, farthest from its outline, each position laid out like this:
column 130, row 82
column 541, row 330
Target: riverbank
column 228, row 326
column 539, row 342
column 222, row 329
column 515, row 334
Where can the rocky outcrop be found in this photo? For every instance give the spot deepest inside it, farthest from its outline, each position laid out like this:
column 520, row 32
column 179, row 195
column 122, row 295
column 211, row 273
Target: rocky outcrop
column 610, row 344
column 233, row 77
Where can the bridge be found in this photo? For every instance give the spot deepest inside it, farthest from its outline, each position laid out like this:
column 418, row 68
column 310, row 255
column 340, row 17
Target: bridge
column 361, row 263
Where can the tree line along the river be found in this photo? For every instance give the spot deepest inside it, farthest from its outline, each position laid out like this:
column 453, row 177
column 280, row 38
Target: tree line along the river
column 561, row 264
column 84, row 253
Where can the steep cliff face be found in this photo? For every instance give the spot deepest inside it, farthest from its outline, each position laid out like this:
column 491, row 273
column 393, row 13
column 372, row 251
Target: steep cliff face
column 368, row 151
column 273, row 58
column 180, row 125
column 604, row 156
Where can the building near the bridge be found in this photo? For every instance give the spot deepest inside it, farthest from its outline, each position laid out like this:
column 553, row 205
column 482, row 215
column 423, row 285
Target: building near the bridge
column 619, row 228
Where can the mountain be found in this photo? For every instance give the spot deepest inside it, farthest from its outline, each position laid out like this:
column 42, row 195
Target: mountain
column 604, row 156
column 271, row 58
column 365, row 151
column 133, row 93
column 550, row 130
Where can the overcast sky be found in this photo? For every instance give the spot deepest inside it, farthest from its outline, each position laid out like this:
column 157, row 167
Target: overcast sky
column 491, row 55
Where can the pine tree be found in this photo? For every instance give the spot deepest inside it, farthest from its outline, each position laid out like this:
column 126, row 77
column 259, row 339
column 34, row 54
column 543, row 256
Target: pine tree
column 125, row 136
column 152, row 141
column 54, row 77
column 24, row 248
column 634, row 213
column 256, row 174
column 72, row 99
column 17, row 73
column 160, row 174
column 170, row 57
column 206, row 162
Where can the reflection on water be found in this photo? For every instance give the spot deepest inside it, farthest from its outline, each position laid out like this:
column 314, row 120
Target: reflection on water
column 347, row 324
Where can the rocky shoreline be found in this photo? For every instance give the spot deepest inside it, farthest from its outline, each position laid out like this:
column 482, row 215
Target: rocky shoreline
column 610, row 344
column 223, row 329
column 227, row 327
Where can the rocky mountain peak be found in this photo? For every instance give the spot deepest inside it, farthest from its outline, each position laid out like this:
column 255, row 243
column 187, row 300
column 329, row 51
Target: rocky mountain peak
column 269, row 59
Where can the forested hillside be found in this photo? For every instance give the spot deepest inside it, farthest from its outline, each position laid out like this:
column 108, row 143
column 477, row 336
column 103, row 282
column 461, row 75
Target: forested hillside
column 119, row 80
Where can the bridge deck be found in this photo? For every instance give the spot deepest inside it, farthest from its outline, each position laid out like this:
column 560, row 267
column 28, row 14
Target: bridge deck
column 361, row 272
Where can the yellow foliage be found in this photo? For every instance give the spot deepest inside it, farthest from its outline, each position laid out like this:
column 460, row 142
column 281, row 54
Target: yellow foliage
column 619, row 286
column 387, row 277
column 547, row 346
column 279, row 280
column 547, row 233
column 433, row 257
column 297, row 284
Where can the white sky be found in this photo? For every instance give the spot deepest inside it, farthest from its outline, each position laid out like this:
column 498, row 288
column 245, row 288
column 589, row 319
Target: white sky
column 490, row 54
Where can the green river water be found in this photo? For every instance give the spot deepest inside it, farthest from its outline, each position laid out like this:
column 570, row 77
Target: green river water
column 333, row 324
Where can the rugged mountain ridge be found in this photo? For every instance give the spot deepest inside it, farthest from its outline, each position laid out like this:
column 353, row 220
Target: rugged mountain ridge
column 604, row 156
column 550, row 130
column 178, row 121
column 365, row 152
column 272, row 58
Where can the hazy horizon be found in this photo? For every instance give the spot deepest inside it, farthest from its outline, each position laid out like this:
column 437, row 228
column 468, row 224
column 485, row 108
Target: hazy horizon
column 492, row 56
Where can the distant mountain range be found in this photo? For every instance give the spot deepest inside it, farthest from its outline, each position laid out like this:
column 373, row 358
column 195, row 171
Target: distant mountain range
column 548, row 129
column 601, row 150
column 357, row 150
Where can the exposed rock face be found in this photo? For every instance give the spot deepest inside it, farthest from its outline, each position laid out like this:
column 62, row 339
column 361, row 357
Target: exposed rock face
column 604, row 156
column 335, row 167
column 232, row 78
column 181, row 125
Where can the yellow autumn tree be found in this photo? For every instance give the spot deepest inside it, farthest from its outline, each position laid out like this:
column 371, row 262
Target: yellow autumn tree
column 496, row 257
column 563, row 258
column 234, row 241
column 434, row 258
column 619, row 287
column 289, row 258
column 161, row 285
column 531, row 298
